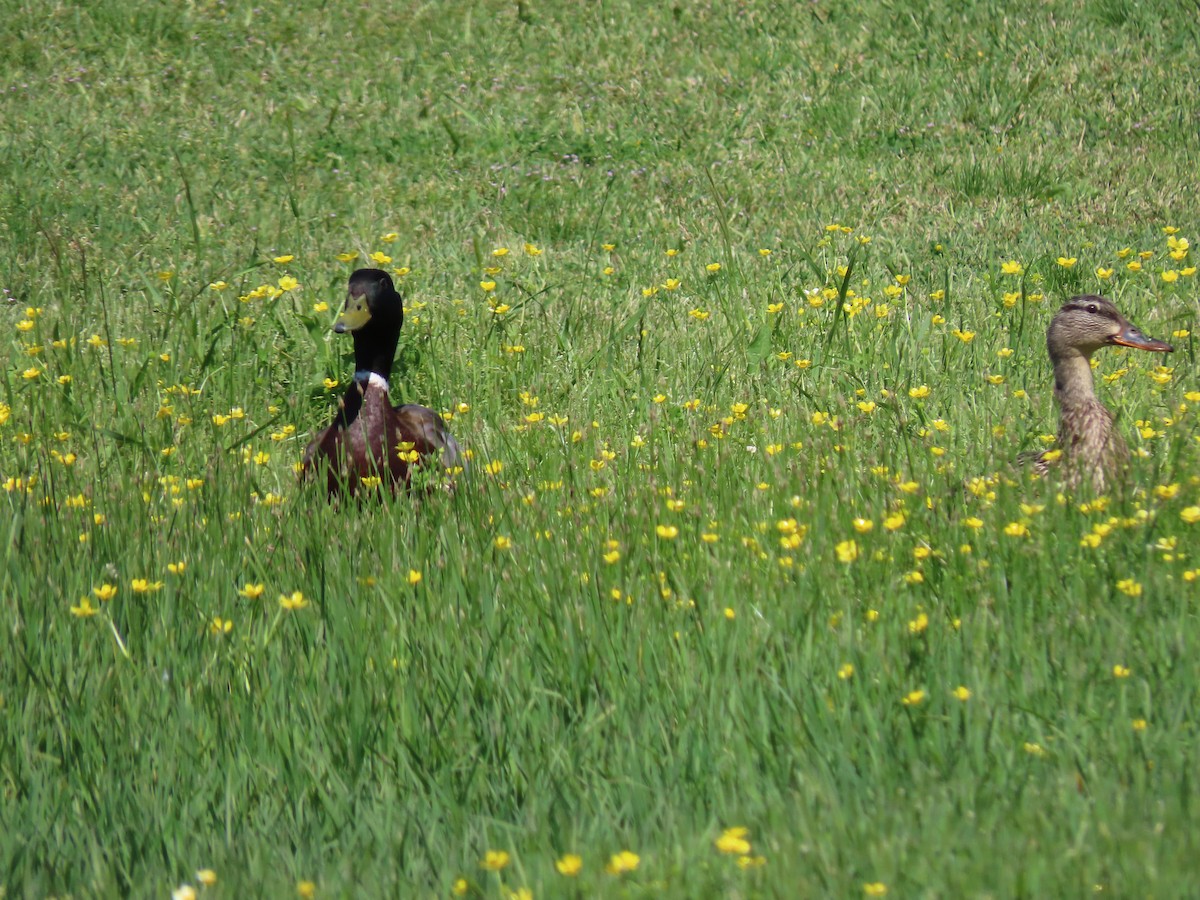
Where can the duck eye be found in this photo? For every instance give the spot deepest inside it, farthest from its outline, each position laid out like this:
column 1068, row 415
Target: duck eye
column 1091, row 307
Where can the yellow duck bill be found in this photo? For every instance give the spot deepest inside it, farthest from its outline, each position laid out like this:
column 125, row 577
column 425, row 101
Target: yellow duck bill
column 354, row 316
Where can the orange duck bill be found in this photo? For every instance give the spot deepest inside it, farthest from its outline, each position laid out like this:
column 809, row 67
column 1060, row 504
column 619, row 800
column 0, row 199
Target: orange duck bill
column 1129, row 336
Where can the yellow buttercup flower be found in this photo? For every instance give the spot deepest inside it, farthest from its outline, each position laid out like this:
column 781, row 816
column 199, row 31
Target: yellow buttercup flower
column 292, row 601
column 733, row 841
column 1129, row 587
column 495, row 860
column 84, row 609
column 620, row 863
column 569, row 865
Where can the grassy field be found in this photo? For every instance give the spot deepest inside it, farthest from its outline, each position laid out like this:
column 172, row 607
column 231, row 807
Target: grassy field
column 739, row 309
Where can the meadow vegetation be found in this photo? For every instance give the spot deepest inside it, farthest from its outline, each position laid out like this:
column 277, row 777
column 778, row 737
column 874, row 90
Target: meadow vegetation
column 739, row 309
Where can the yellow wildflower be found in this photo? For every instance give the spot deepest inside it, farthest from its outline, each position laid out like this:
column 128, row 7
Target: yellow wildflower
column 569, row 865
column 293, row 601
column 84, row 609
column 620, row 863
column 495, row 860
column 733, row 841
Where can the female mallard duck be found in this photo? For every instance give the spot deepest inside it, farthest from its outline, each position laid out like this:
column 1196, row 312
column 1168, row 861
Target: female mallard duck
column 370, row 438
column 1090, row 445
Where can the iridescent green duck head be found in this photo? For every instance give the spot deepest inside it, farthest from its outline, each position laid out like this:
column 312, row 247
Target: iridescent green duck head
column 373, row 315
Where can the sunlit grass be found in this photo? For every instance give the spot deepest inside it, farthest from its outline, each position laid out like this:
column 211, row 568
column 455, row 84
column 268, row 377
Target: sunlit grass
column 743, row 592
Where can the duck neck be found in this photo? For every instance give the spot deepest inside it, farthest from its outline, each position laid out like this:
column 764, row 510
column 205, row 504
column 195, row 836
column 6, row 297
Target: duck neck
column 373, row 355
column 371, row 379
column 1073, row 385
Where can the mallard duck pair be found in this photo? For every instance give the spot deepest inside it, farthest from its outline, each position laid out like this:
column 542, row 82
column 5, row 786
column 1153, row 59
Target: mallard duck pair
column 369, row 438
column 1092, row 448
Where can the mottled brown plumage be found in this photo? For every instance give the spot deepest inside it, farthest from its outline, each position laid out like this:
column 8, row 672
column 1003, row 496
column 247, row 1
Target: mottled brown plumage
column 370, row 438
column 1091, row 446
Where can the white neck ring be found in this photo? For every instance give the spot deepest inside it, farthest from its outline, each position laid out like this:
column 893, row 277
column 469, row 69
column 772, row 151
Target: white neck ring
column 372, row 379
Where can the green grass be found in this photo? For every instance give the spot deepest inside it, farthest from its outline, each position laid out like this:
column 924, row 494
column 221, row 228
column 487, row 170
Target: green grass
column 566, row 676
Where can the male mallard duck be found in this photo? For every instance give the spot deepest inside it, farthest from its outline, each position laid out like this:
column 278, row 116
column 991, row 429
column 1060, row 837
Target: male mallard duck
column 1090, row 445
column 369, row 437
